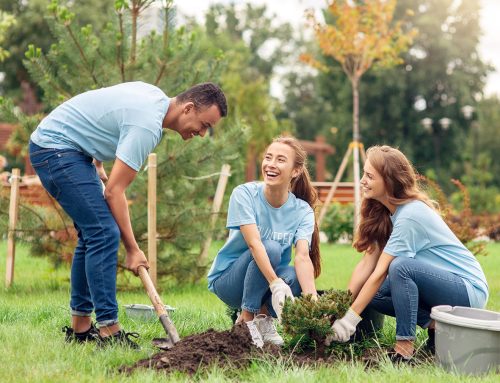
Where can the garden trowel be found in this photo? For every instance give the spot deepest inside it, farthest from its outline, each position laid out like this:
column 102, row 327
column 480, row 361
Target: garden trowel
column 166, row 322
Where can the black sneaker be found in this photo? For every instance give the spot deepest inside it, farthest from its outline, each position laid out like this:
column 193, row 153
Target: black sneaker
column 91, row 335
column 430, row 343
column 121, row 338
column 398, row 359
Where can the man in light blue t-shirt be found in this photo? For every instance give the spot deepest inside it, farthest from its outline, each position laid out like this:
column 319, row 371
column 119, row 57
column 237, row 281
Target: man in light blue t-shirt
column 121, row 123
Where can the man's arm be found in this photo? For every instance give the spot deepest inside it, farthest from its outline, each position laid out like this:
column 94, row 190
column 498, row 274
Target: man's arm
column 304, row 267
column 120, row 178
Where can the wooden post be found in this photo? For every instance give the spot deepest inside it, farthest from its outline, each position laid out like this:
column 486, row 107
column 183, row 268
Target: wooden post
column 320, row 160
column 335, row 184
column 11, row 235
column 363, row 152
column 152, row 217
column 219, row 195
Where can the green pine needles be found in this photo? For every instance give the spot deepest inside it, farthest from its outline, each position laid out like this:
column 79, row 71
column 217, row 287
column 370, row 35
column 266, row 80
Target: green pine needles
column 308, row 322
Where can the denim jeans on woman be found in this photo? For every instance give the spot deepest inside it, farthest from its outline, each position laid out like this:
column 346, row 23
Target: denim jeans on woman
column 71, row 178
column 242, row 285
column 411, row 289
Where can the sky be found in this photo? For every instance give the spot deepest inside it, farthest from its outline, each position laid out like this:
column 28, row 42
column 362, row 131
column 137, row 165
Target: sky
column 293, row 12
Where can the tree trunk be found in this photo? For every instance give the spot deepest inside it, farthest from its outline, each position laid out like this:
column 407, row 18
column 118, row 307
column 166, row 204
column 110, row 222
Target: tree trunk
column 356, row 142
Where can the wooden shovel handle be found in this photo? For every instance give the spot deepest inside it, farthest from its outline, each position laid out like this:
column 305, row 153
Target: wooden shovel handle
column 151, row 290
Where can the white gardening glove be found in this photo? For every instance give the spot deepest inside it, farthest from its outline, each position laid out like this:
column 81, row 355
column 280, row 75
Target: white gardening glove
column 344, row 327
column 280, row 290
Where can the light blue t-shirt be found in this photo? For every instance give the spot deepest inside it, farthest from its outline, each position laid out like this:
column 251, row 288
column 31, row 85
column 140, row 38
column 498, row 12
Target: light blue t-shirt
column 419, row 232
column 122, row 121
column 287, row 224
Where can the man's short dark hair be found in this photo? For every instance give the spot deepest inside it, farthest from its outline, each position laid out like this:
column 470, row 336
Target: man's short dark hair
column 205, row 95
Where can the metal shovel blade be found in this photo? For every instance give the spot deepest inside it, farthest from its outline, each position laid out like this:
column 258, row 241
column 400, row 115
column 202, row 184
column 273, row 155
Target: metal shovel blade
column 163, row 343
column 173, row 336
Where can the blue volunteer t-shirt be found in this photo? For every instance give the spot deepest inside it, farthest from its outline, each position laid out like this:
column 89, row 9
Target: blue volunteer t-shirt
column 287, row 224
column 122, row 121
column 419, row 232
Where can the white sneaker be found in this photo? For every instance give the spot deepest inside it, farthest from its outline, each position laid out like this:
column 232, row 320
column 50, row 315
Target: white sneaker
column 255, row 333
column 266, row 327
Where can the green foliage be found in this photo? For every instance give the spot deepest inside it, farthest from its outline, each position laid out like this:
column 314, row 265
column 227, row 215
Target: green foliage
column 33, row 28
column 487, row 141
column 6, row 22
column 338, row 222
column 308, row 322
column 484, row 194
column 459, row 220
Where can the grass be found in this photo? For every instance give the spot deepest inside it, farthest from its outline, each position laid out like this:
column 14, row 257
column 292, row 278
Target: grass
column 33, row 311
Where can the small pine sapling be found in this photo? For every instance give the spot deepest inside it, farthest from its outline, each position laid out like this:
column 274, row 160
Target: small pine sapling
column 308, row 322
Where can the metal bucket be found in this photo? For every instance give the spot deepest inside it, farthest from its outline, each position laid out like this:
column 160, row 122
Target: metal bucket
column 143, row 312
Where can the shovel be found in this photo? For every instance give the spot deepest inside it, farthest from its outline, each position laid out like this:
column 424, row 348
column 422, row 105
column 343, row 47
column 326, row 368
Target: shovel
column 166, row 322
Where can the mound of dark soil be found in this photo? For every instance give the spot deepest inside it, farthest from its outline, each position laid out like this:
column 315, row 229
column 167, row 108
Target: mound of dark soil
column 233, row 347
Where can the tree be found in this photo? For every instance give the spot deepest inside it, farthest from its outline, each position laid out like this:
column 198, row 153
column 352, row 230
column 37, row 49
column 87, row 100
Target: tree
column 86, row 58
column 441, row 73
column 360, row 35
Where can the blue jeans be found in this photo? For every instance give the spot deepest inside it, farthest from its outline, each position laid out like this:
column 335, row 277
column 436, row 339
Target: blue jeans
column 411, row 289
column 242, row 285
column 71, row 178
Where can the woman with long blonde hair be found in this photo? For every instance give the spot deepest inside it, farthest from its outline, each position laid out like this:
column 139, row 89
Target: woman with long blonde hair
column 412, row 259
column 251, row 272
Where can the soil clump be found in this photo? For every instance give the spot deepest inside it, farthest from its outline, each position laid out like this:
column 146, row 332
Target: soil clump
column 222, row 348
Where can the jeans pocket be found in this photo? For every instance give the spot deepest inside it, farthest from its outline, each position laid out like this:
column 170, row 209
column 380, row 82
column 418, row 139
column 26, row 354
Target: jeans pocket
column 37, row 165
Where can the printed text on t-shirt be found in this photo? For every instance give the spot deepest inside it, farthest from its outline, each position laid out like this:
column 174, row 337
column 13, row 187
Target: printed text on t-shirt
column 282, row 238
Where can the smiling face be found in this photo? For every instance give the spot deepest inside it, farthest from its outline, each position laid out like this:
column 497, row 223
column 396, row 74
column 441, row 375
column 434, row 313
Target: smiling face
column 194, row 122
column 278, row 165
column 372, row 183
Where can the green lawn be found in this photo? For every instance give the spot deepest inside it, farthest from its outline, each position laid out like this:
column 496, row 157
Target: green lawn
column 32, row 348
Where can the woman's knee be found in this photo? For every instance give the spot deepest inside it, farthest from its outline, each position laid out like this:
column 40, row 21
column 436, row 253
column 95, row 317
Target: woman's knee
column 274, row 251
column 398, row 266
column 290, row 277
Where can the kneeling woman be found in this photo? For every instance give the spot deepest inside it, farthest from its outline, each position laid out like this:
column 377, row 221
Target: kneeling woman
column 251, row 272
column 412, row 260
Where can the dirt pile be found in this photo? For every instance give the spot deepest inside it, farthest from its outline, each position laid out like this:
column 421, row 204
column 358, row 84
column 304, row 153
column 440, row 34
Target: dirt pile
column 233, row 348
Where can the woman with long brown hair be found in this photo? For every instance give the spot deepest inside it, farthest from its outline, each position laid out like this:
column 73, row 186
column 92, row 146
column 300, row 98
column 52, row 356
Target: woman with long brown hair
column 251, row 272
column 412, row 259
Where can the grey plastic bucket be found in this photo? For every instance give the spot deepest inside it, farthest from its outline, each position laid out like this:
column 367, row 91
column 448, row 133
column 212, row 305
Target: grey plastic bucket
column 467, row 339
